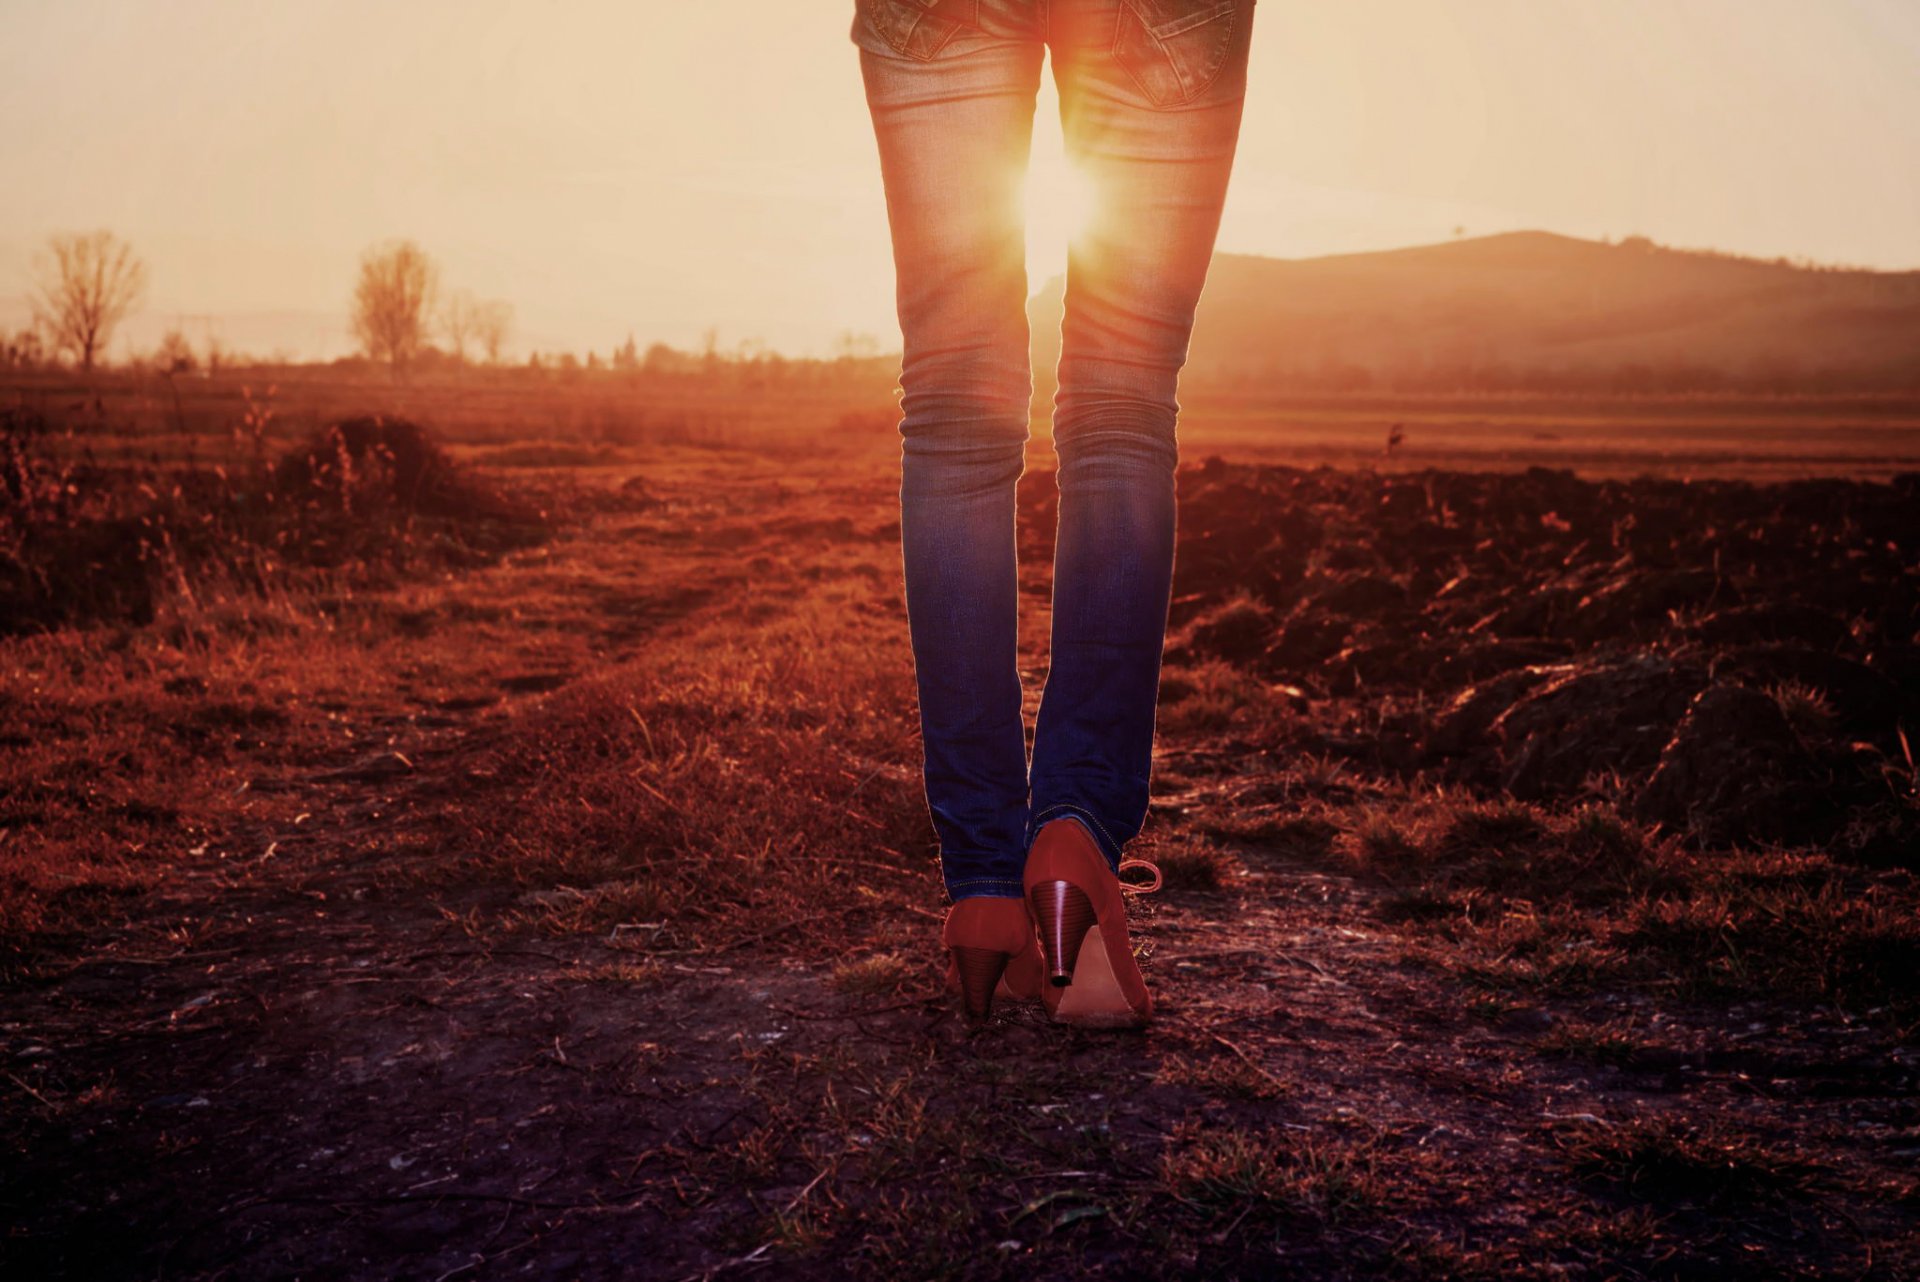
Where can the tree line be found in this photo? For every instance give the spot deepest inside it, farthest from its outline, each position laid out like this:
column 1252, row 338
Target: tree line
column 398, row 305
column 84, row 285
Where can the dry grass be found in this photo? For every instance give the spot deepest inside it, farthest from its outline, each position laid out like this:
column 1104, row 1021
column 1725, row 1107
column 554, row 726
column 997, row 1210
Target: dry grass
column 1232, row 1175
column 1617, row 1043
column 882, row 974
column 723, row 792
column 1667, row 1161
column 361, row 504
column 596, row 874
column 1221, row 1076
column 1538, row 899
column 1193, row 865
column 1213, row 696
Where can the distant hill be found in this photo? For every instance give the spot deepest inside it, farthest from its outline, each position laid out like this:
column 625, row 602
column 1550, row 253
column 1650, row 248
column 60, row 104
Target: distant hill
column 1538, row 310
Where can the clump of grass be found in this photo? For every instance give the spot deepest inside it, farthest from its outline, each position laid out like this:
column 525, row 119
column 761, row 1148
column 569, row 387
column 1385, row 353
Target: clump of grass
column 1208, row 697
column 1499, row 845
column 910, row 1132
column 1807, row 709
column 1221, row 1168
column 643, row 973
column 1561, row 901
column 751, row 1158
column 1231, row 1173
column 1823, row 938
column 1589, row 856
column 1612, row 1043
column 1510, row 849
column 907, row 1233
column 1239, row 629
column 568, row 910
column 370, row 488
column 1385, row 844
column 1488, row 1006
column 1665, row 1160
column 1308, row 837
column 1606, row 843
column 1501, row 827
column 1195, row 865
column 878, row 975
column 1532, row 898
column 1220, row 1076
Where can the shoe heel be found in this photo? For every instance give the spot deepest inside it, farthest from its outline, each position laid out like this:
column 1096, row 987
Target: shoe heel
column 980, row 969
column 1064, row 915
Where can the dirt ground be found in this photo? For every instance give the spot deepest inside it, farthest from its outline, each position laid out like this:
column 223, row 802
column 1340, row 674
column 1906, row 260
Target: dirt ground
column 1540, row 904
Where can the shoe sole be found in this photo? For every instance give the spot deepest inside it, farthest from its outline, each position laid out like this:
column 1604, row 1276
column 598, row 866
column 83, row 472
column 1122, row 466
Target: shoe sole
column 1090, row 992
column 1094, row 998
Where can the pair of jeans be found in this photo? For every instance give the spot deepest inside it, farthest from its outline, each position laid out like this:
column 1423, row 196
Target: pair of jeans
column 1150, row 96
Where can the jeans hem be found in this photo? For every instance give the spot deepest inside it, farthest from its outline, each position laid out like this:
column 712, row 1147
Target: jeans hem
column 1088, row 820
column 985, row 888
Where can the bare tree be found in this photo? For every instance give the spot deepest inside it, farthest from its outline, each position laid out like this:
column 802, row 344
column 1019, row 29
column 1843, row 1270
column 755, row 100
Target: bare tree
column 393, row 301
column 850, row 346
column 459, row 321
column 627, row 357
column 85, row 284
column 24, row 350
column 492, row 319
column 175, row 353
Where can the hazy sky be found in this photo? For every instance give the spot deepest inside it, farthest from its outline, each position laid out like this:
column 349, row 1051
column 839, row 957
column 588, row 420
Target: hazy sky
column 661, row 166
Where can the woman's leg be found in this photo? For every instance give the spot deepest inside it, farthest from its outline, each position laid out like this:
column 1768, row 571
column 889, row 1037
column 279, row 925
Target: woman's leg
column 952, row 92
column 1150, row 97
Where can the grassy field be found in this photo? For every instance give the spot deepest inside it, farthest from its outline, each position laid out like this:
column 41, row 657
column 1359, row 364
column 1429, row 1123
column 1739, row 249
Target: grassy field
column 589, row 416
column 1775, row 438
column 500, row 851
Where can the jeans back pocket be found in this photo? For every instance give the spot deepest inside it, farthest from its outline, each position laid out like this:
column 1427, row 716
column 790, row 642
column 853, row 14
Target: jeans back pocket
column 920, row 28
column 1176, row 49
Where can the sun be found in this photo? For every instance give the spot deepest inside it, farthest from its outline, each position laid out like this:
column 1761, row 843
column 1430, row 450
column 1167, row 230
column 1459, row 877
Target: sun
column 1059, row 202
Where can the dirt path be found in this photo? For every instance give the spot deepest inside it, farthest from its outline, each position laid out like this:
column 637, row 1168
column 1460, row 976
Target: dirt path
column 323, row 1061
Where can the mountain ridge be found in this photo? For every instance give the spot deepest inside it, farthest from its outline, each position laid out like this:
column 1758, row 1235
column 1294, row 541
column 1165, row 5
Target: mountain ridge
column 1538, row 309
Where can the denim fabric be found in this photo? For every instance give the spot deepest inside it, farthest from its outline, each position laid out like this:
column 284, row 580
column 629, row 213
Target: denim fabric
column 1150, row 94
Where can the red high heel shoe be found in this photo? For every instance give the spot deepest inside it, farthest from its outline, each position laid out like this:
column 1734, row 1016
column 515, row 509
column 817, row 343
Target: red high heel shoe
column 991, row 952
column 1090, row 979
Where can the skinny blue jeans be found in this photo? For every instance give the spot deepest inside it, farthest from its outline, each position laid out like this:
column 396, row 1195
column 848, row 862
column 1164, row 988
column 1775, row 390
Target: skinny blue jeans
column 1150, row 95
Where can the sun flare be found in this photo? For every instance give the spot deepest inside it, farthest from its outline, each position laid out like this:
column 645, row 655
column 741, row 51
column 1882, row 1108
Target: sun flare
column 1058, row 200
